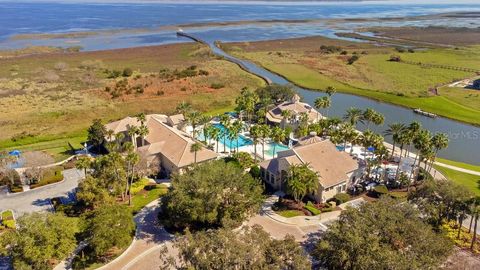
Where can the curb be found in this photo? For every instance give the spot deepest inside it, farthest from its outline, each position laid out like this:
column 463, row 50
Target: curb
column 124, row 253
column 39, row 188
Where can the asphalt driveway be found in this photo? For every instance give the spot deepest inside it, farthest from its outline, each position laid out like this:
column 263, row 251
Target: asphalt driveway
column 39, row 199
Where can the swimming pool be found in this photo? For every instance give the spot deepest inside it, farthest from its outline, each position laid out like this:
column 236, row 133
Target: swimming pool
column 241, row 140
column 278, row 148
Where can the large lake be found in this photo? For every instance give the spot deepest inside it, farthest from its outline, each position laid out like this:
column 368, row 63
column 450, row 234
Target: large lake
column 28, row 18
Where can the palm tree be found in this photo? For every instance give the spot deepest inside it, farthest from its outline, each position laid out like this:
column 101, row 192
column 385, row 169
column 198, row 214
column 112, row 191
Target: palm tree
column 118, row 140
column 323, row 103
column 440, row 141
column 225, row 121
column 330, row 91
column 264, row 135
column 143, row 132
column 378, row 119
column 286, row 114
column 370, row 139
column 183, row 107
column 395, row 131
column 278, row 135
column 255, row 135
column 246, row 102
column 476, row 215
column 83, row 163
column 421, row 142
column 110, row 134
column 368, row 116
column 131, row 159
column 216, row 134
column 302, row 181
column 132, row 132
column 193, row 118
column 234, row 131
column 353, row 116
column 266, row 102
column 141, row 118
column 412, row 131
column 194, row 148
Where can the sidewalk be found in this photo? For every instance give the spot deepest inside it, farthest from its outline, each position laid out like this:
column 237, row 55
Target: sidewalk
column 149, row 235
column 457, row 168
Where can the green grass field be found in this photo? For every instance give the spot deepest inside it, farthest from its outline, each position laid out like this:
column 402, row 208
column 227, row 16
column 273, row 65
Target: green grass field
column 374, row 76
column 472, row 182
column 290, row 213
column 141, row 199
column 459, row 164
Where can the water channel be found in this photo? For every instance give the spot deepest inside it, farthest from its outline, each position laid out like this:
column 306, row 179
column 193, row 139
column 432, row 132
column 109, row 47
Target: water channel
column 464, row 138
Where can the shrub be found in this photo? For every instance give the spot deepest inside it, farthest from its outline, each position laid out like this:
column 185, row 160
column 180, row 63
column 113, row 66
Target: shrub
column 310, row 207
column 395, row 58
column 344, row 53
column 127, row 72
column 398, row 195
column 139, row 185
column 380, row 190
column 217, row 85
column 49, row 177
column 203, row 72
column 341, row 198
column 400, row 49
column 9, row 223
column 330, row 49
column 327, row 209
column 7, row 215
column 160, row 93
column 353, row 59
column 410, row 50
column 255, row 171
column 16, row 189
column 113, row 74
column 244, row 159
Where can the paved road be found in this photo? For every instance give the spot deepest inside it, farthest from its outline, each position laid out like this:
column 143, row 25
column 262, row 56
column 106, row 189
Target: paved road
column 149, row 235
column 39, row 199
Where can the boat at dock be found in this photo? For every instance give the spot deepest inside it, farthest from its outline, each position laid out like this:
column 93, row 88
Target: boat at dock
column 424, row 113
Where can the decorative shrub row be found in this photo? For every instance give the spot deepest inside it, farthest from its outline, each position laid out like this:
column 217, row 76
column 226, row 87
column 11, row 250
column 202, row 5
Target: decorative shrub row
column 50, row 177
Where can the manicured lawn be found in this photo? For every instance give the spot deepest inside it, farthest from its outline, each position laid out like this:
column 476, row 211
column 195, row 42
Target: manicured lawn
column 60, row 148
column 7, row 215
column 440, row 105
column 459, row 164
column 374, row 76
column 144, row 197
column 8, row 220
column 472, row 182
column 290, row 213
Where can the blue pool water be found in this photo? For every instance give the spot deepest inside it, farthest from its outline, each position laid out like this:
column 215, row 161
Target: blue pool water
column 241, row 140
column 278, row 148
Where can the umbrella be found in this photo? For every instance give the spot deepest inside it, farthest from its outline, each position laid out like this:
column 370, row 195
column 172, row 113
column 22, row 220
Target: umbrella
column 371, row 149
column 15, row 153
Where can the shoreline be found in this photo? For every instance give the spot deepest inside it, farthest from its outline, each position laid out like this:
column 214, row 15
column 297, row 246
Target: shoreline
column 399, row 104
column 328, row 21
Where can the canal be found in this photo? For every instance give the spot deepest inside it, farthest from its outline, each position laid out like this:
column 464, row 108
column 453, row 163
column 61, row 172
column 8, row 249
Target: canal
column 464, row 143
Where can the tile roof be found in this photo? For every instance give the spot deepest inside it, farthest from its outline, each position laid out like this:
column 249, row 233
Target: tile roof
column 168, row 141
column 324, row 158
